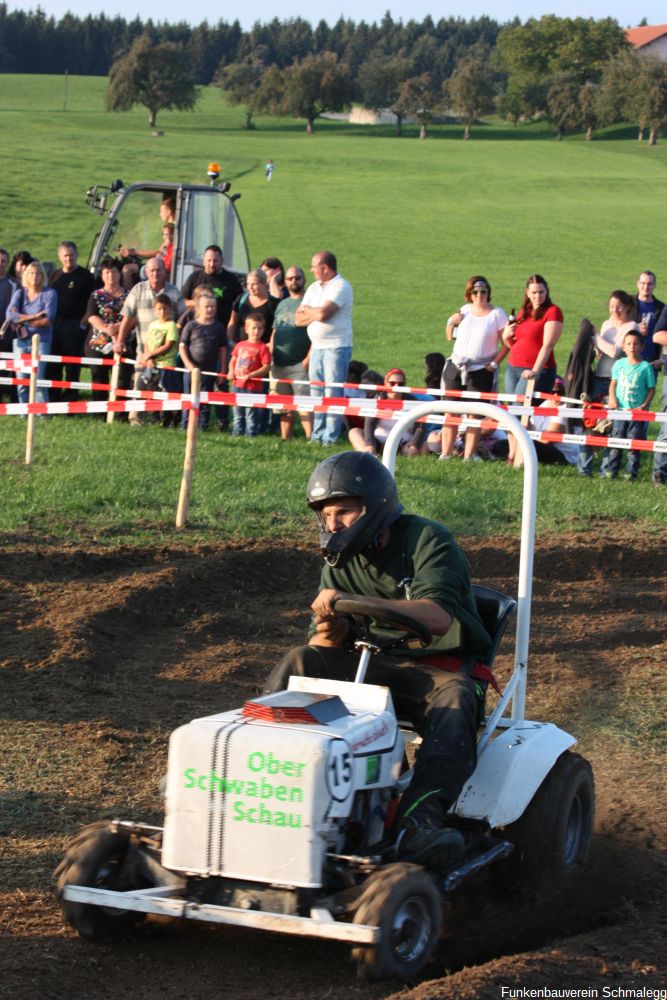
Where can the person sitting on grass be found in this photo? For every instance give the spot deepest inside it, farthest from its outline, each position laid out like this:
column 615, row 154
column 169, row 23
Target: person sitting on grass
column 419, row 445
column 250, row 357
column 551, row 452
column 632, row 388
column 377, row 429
column 355, row 424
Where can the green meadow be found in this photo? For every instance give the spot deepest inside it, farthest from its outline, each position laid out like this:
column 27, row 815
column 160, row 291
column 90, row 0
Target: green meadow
column 409, row 221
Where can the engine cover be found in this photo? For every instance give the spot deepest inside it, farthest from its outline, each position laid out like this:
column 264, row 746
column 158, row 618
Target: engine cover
column 253, row 798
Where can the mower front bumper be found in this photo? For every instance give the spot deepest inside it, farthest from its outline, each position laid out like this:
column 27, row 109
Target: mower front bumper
column 165, row 901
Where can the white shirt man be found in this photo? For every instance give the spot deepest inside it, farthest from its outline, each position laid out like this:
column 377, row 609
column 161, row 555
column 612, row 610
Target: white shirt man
column 326, row 311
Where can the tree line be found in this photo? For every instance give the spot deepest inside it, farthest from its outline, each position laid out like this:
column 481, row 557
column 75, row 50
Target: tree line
column 31, row 42
column 578, row 73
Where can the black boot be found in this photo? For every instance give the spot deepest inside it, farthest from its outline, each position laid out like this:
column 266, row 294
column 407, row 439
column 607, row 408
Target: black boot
column 437, row 848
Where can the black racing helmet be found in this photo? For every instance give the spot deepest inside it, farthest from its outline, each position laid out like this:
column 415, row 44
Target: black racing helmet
column 354, row 474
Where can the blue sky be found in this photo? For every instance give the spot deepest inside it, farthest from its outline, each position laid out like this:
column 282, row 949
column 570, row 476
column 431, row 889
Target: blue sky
column 626, row 14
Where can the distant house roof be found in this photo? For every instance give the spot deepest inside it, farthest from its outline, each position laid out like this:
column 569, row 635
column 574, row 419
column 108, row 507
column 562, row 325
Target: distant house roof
column 643, row 36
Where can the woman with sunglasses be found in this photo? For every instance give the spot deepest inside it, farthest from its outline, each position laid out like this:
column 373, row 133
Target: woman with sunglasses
column 376, row 429
column 478, row 350
column 532, row 338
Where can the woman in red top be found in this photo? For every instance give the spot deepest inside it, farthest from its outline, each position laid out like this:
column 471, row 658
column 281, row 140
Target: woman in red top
column 531, row 339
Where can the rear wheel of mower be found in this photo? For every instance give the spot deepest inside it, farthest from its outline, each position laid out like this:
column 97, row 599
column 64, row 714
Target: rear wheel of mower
column 403, row 901
column 97, row 858
column 553, row 837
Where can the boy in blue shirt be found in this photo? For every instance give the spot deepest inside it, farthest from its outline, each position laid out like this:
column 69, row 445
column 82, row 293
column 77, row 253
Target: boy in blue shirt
column 632, row 388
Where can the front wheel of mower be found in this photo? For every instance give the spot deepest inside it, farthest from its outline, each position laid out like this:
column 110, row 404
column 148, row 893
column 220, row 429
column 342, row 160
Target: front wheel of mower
column 553, row 837
column 98, row 858
column 403, row 901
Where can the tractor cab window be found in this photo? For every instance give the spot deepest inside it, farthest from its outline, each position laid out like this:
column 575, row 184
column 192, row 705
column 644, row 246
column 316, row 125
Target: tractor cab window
column 141, row 221
column 206, row 220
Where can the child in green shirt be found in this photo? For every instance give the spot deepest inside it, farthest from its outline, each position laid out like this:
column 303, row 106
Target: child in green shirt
column 160, row 355
column 632, row 388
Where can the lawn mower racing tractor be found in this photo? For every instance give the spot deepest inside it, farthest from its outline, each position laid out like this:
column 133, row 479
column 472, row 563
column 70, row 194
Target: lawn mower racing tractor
column 276, row 812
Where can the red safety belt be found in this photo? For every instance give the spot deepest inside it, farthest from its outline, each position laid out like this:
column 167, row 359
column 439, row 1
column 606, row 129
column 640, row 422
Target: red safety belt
column 456, row 664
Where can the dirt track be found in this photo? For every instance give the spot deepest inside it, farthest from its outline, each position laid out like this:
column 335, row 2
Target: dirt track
column 106, row 651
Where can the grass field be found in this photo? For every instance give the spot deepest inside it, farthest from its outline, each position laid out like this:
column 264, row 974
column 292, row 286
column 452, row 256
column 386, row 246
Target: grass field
column 409, row 221
column 121, row 484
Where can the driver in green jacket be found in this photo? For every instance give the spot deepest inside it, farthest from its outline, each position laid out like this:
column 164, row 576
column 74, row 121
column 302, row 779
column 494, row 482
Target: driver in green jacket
column 373, row 549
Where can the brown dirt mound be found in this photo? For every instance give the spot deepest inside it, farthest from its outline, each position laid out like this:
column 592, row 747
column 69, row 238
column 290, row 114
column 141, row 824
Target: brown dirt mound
column 105, row 652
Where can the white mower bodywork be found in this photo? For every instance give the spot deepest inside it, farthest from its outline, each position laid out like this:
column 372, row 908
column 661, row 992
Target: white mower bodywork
column 265, row 801
column 260, row 801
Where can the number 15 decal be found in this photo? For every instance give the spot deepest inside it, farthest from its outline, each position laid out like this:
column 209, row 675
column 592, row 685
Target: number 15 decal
column 340, row 770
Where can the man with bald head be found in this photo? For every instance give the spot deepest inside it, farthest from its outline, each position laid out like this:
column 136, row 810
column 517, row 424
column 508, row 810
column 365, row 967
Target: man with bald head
column 290, row 350
column 138, row 313
column 326, row 311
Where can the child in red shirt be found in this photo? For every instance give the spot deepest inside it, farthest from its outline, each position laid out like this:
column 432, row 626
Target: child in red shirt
column 250, row 357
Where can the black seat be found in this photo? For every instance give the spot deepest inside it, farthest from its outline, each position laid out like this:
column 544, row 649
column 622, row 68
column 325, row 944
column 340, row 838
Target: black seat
column 494, row 609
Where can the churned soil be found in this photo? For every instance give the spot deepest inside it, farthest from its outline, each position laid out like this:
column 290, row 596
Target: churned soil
column 106, row 650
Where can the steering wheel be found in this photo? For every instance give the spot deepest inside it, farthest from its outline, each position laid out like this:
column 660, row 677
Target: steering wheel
column 364, row 610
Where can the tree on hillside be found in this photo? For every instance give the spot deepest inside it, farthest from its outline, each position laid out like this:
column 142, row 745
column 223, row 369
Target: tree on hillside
column 588, row 97
column 470, row 91
column 525, row 52
column 613, row 94
column 570, row 106
column 380, row 78
column 208, row 47
column 307, row 89
column 647, row 98
column 587, row 46
column 157, row 76
column 421, row 100
column 534, row 53
column 241, row 83
column 634, row 88
column 563, row 104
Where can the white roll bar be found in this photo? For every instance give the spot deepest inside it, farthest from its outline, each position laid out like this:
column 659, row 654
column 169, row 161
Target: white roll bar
column 516, row 687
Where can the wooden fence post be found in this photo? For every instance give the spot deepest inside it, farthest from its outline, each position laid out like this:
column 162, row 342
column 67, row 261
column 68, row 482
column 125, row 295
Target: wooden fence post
column 32, row 395
column 190, row 450
column 115, row 376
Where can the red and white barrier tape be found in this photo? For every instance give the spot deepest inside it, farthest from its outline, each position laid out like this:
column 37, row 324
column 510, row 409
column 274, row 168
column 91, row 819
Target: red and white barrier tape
column 595, row 441
column 518, row 409
column 340, row 405
column 101, row 406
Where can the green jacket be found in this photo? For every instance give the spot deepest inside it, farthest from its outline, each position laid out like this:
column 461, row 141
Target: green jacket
column 421, row 560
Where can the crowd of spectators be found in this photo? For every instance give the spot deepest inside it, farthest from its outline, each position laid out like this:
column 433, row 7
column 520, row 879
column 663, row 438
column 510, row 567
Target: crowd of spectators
column 271, row 331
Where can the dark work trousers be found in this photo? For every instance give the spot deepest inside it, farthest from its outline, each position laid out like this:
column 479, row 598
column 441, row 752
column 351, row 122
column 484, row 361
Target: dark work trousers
column 445, row 709
column 68, row 339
